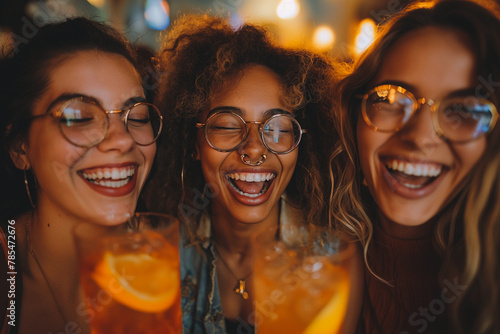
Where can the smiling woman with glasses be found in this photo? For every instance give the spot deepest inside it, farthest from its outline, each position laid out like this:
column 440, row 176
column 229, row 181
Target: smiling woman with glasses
column 420, row 114
column 246, row 149
column 78, row 140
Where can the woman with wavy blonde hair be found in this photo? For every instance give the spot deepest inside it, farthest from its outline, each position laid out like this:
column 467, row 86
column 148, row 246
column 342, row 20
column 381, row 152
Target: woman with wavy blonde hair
column 418, row 113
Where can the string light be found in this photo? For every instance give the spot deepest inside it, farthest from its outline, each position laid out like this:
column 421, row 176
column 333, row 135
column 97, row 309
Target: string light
column 157, row 14
column 288, row 9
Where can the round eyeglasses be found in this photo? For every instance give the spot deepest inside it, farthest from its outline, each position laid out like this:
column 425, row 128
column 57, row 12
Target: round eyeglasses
column 85, row 123
column 225, row 131
column 459, row 119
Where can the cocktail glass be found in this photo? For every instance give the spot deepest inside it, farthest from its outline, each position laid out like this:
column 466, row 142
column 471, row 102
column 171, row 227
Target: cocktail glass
column 301, row 283
column 130, row 275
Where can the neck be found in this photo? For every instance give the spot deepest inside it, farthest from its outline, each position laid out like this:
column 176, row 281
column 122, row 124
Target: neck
column 51, row 240
column 404, row 231
column 231, row 236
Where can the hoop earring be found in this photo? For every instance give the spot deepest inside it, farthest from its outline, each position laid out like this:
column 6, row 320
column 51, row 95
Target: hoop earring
column 28, row 187
column 250, row 163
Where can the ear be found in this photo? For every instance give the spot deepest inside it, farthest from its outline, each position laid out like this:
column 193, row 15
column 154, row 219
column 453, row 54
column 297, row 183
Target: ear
column 196, row 152
column 19, row 156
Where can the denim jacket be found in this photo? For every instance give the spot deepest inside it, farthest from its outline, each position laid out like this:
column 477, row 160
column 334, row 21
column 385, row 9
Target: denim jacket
column 200, row 301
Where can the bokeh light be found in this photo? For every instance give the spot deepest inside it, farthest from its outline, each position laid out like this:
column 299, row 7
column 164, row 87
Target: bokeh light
column 157, row 14
column 324, row 37
column 97, row 3
column 288, row 9
column 365, row 35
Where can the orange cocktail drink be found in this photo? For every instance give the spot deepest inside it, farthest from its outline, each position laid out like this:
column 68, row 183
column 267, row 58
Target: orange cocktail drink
column 130, row 277
column 301, row 289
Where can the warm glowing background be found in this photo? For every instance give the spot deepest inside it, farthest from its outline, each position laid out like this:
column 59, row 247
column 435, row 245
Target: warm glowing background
column 339, row 27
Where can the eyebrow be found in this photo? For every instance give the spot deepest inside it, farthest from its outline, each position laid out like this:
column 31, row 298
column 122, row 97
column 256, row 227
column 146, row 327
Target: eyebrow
column 68, row 96
column 267, row 113
column 457, row 93
column 405, row 85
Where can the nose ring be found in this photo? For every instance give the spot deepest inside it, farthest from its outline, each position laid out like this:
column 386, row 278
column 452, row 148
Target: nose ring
column 250, row 163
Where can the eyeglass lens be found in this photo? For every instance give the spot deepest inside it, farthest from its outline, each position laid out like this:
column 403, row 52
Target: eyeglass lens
column 85, row 124
column 458, row 118
column 226, row 131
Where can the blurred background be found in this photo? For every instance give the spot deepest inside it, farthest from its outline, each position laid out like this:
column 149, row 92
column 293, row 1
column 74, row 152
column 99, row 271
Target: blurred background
column 338, row 27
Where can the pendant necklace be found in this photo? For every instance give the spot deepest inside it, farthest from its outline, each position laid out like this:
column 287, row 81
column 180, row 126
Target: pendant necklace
column 240, row 287
column 30, row 247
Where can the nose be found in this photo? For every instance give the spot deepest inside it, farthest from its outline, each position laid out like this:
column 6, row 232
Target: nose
column 117, row 136
column 419, row 130
column 253, row 145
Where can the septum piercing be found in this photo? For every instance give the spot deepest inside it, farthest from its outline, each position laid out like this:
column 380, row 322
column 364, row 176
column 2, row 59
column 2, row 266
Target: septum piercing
column 249, row 163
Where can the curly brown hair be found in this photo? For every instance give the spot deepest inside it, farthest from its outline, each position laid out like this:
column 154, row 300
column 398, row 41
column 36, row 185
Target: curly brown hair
column 199, row 56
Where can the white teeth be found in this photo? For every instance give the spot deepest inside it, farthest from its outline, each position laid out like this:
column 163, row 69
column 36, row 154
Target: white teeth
column 412, row 186
column 111, row 184
column 251, row 177
column 409, row 169
column 110, row 177
column 415, row 169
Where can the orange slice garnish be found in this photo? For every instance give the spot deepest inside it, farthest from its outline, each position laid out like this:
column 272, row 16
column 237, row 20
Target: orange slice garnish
column 143, row 282
column 330, row 318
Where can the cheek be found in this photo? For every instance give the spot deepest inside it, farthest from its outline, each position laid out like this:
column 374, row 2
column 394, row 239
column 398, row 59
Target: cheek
column 367, row 141
column 211, row 162
column 52, row 153
column 289, row 162
column 149, row 153
column 469, row 155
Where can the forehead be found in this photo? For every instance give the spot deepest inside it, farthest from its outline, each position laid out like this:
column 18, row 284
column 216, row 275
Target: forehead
column 434, row 60
column 110, row 78
column 254, row 90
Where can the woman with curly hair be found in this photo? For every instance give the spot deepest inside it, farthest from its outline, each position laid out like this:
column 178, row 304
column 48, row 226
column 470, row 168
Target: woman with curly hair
column 246, row 123
column 418, row 112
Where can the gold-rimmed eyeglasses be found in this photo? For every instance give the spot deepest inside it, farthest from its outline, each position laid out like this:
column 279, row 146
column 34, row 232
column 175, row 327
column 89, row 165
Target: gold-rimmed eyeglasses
column 225, row 131
column 459, row 119
column 83, row 122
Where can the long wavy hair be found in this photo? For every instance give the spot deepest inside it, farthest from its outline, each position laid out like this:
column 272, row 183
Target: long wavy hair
column 467, row 227
column 199, row 56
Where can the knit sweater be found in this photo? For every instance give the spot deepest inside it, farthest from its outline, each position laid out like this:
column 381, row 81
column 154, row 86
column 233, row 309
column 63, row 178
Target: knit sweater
column 415, row 303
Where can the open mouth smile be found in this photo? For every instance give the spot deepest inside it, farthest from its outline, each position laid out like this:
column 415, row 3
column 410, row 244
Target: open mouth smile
column 413, row 175
column 111, row 180
column 110, row 177
column 251, row 185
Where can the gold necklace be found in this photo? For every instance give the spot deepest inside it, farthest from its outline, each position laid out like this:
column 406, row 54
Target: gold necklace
column 30, row 247
column 240, row 287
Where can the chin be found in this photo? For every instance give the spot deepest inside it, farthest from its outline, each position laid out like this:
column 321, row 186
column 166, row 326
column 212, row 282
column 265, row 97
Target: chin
column 114, row 217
